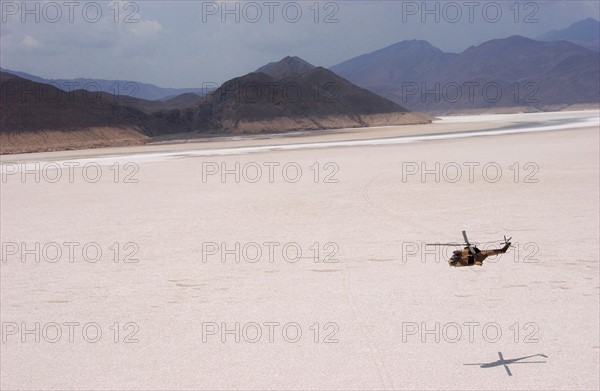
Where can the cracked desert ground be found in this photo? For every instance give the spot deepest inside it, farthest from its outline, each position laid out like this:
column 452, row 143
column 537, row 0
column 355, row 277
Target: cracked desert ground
column 383, row 313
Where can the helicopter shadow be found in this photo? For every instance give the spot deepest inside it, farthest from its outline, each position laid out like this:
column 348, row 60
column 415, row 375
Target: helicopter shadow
column 506, row 362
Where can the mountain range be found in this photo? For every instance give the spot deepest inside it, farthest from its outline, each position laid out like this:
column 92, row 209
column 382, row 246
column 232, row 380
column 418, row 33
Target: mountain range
column 292, row 95
column 514, row 72
column 384, row 87
column 585, row 33
column 130, row 88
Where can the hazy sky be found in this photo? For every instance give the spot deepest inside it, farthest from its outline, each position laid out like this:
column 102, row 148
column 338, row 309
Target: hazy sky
column 188, row 43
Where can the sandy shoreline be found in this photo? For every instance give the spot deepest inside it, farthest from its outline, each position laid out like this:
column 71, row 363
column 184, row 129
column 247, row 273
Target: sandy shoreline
column 443, row 125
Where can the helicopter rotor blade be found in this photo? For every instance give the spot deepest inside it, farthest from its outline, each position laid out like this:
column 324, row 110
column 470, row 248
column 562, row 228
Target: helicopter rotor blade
column 445, row 244
column 464, row 233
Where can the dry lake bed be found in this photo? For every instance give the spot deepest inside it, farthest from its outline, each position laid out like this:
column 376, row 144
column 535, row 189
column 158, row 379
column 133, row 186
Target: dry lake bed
column 299, row 262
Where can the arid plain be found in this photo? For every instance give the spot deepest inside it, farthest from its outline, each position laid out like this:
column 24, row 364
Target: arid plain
column 326, row 281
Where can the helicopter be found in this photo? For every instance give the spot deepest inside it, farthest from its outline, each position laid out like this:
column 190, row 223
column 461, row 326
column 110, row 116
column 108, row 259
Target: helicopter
column 471, row 255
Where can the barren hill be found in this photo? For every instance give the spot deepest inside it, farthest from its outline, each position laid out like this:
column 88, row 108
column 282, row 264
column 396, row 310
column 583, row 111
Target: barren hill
column 286, row 67
column 31, row 106
column 41, row 117
column 299, row 97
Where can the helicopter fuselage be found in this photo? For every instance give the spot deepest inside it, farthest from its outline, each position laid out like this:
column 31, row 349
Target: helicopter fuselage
column 473, row 256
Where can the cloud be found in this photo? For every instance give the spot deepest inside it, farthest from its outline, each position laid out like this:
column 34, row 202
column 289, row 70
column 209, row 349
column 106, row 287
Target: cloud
column 30, row 42
column 146, row 27
column 146, row 40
